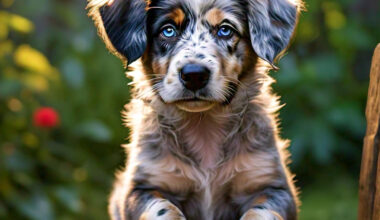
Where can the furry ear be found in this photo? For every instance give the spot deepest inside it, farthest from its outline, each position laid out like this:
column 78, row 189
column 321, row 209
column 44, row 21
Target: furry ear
column 271, row 24
column 121, row 24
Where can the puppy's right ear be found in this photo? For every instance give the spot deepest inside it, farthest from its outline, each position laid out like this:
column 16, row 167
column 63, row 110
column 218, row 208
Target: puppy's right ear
column 121, row 24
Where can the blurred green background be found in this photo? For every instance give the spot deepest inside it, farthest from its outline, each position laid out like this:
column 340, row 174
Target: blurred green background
column 50, row 55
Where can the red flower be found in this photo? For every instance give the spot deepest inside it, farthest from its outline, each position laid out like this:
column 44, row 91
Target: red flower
column 46, row 117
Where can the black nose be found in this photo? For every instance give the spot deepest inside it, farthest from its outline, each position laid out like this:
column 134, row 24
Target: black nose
column 194, row 76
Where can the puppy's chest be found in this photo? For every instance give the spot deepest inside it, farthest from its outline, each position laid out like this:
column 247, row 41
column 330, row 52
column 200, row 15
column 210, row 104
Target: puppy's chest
column 203, row 189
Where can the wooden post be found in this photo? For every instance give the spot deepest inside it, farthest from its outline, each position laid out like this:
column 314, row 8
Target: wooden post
column 369, row 186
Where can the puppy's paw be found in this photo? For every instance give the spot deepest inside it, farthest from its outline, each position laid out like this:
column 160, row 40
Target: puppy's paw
column 261, row 214
column 162, row 209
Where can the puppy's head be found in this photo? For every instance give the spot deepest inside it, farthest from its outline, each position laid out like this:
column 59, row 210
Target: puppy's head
column 195, row 51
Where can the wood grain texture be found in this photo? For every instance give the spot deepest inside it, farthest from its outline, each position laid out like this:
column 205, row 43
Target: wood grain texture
column 369, row 186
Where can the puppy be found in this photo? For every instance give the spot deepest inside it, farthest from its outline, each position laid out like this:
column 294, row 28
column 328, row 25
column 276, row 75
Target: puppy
column 204, row 141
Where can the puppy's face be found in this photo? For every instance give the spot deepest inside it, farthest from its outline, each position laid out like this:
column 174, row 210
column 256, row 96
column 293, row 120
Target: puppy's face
column 197, row 51
column 194, row 51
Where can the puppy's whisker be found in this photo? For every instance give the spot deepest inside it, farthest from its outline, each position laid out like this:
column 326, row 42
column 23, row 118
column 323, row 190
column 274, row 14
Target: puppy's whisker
column 222, row 94
column 154, row 7
column 152, row 80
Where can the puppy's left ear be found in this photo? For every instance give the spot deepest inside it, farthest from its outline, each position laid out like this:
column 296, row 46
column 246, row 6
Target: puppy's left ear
column 271, row 24
column 122, row 25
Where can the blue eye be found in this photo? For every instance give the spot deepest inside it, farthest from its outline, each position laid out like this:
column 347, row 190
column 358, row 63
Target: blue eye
column 169, row 32
column 225, row 31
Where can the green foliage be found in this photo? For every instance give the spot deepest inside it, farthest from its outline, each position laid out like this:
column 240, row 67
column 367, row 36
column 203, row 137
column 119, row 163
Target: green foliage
column 50, row 56
column 337, row 200
column 323, row 81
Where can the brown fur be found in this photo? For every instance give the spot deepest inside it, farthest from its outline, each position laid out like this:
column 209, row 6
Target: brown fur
column 178, row 16
column 215, row 16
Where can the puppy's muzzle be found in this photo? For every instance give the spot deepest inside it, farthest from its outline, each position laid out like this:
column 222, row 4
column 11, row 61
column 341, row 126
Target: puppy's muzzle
column 194, row 76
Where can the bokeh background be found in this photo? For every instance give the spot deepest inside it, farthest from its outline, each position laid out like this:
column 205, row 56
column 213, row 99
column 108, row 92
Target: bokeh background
column 51, row 56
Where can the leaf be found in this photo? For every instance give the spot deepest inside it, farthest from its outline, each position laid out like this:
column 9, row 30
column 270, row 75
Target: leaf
column 349, row 118
column 9, row 88
column 3, row 210
column 69, row 197
column 94, row 130
column 289, row 74
column 36, row 207
column 17, row 161
column 328, row 66
column 323, row 140
column 73, row 73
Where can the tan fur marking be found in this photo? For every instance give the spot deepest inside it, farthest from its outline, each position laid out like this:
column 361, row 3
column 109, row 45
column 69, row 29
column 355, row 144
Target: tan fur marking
column 232, row 69
column 178, row 16
column 215, row 16
column 157, row 194
column 159, row 67
column 250, row 214
column 261, row 214
column 172, row 212
column 277, row 215
column 237, row 69
column 166, row 178
column 253, row 171
column 260, row 200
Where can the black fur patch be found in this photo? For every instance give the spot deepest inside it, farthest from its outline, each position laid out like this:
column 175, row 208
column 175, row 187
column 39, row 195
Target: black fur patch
column 124, row 22
column 162, row 212
column 232, row 89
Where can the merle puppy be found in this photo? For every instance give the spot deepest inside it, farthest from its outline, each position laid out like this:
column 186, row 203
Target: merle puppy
column 204, row 140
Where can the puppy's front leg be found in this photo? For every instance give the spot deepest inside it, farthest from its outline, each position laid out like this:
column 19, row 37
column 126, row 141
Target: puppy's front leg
column 271, row 204
column 161, row 209
column 144, row 204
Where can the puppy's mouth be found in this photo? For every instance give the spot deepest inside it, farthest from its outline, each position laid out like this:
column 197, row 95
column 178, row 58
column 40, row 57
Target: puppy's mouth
column 199, row 101
column 195, row 99
column 194, row 105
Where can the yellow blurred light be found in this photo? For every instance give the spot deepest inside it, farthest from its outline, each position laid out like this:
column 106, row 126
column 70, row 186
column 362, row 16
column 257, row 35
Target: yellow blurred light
column 14, row 105
column 335, row 19
column 30, row 140
column 31, row 59
column 20, row 24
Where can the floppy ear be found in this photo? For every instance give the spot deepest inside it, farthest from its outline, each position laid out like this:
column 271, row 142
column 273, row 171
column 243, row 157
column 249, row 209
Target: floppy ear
column 271, row 24
column 121, row 24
